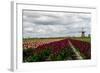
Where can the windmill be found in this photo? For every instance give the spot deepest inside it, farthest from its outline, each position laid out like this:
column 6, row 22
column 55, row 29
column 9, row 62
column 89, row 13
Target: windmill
column 82, row 32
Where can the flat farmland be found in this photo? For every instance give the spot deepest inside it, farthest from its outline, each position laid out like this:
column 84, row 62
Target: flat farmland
column 35, row 42
column 85, row 39
column 56, row 49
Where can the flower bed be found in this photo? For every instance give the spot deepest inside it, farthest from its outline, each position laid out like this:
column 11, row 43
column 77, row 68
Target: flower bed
column 84, row 47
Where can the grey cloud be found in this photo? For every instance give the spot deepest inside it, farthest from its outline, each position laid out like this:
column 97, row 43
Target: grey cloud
column 52, row 24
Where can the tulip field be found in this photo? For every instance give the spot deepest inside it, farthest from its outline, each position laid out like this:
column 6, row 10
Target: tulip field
column 55, row 49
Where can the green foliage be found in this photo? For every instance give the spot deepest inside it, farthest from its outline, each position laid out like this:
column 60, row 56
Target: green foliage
column 27, row 53
column 29, row 56
column 47, row 55
column 85, row 39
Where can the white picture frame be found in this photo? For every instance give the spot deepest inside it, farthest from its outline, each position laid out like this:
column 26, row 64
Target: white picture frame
column 16, row 25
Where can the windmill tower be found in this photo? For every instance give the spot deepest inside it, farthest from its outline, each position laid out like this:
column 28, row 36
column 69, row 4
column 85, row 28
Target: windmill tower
column 82, row 33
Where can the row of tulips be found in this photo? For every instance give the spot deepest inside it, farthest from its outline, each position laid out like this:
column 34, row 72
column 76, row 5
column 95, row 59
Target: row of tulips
column 83, row 47
column 57, row 50
column 55, row 47
column 35, row 43
column 31, row 44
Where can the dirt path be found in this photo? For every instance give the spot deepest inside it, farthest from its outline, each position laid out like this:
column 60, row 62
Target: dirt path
column 79, row 57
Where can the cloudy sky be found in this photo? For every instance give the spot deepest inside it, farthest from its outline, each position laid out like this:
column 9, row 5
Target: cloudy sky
column 54, row 24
